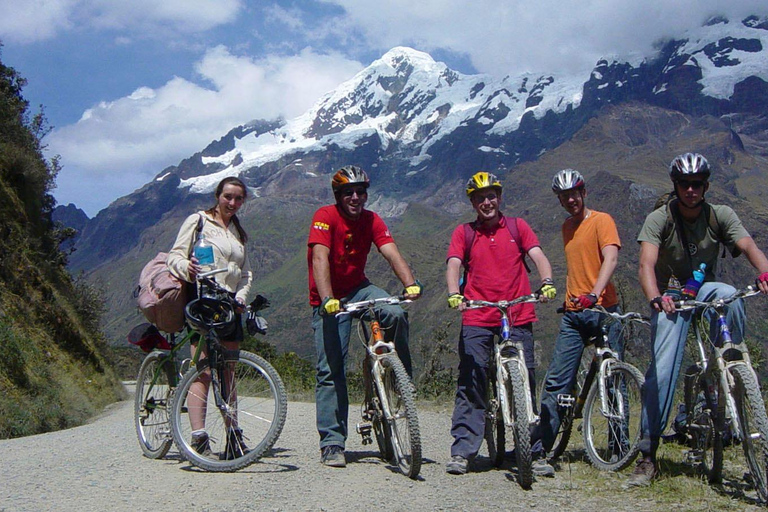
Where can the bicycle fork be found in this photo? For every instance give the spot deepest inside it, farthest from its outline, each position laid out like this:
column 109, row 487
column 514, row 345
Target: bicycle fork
column 374, row 405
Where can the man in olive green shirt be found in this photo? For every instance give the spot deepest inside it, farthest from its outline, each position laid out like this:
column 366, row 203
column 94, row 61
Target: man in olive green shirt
column 676, row 249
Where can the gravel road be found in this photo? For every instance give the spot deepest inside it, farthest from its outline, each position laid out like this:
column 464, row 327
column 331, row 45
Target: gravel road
column 100, row 467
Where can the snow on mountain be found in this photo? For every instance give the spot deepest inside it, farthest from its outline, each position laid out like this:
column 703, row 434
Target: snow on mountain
column 408, row 102
column 727, row 53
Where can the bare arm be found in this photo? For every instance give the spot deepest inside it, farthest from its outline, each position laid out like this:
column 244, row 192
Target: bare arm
column 321, row 270
column 610, row 260
column 398, row 264
column 755, row 256
column 452, row 275
column 543, row 266
column 649, row 254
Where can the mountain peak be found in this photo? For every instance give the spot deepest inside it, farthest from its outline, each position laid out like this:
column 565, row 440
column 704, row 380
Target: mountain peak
column 403, row 54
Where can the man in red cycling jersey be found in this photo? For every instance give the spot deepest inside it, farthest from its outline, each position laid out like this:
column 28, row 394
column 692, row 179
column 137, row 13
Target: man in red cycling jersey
column 340, row 239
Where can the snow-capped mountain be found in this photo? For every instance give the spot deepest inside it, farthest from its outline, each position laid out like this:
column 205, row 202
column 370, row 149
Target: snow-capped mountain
column 414, row 109
column 416, row 124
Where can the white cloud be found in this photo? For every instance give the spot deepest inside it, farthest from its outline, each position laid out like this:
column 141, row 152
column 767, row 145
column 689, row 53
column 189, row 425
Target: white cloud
column 513, row 36
column 127, row 141
column 40, row 20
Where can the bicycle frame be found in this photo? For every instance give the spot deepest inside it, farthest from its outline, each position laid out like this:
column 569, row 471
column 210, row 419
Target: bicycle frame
column 375, row 346
column 716, row 358
column 605, row 357
column 504, row 341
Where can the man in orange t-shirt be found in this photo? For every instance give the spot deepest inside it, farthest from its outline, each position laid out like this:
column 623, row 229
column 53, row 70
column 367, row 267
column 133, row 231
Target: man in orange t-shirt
column 591, row 252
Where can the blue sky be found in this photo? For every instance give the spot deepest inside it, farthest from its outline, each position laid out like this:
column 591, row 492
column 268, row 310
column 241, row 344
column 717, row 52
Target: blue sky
column 134, row 86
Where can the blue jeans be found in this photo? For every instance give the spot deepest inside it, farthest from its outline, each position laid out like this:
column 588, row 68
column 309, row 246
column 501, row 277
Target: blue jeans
column 669, row 333
column 576, row 328
column 332, row 346
column 475, row 349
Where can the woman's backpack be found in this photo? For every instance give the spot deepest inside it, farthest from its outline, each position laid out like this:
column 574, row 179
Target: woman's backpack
column 160, row 295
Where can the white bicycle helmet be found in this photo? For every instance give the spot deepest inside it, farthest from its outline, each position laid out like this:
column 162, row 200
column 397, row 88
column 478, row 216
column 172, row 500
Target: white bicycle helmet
column 349, row 175
column 567, row 179
column 689, row 164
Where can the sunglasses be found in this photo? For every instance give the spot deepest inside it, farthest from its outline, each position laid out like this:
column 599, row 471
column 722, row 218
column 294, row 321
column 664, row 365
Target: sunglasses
column 347, row 192
column 695, row 184
column 481, row 198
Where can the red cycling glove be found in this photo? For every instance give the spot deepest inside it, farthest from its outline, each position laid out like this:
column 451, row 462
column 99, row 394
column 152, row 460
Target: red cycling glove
column 586, row 301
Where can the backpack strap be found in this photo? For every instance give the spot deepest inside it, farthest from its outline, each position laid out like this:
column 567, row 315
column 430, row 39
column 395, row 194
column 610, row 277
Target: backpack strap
column 469, row 239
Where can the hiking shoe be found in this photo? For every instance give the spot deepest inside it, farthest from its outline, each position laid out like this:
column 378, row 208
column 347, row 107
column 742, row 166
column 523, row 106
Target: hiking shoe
column 458, row 465
column 333, row 456
column 542, row 467
column 236, row 448
column 202, row 444
column 644, row 472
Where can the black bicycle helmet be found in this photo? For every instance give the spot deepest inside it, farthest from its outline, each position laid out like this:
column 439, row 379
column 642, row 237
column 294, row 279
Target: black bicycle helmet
column 689, row 164
column 206, row 313
column 349, row 175
column 567, row 179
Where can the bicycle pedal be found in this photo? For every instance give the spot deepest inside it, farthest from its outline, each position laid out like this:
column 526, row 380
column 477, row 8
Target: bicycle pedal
column 364, row 429
column 693, row 457
column 565, row 400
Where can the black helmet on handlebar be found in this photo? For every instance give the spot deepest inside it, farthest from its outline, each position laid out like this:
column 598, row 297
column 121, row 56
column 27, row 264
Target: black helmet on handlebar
column 207, row 313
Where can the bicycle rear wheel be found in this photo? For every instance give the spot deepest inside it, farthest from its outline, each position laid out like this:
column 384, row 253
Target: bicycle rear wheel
column 401, row 417
column 495, row 431
column 705, row 422
column 151, row 404
column 753, row 425
column 516, row 396
column 249, row 422
column 612, row 423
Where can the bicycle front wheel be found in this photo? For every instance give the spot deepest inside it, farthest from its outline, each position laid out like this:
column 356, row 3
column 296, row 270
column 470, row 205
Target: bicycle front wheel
column 399, row 410
column 753, row 425
column 518, row 404
column 612, row 417
column 495, row 431
column 245, row 427
column 151, row 404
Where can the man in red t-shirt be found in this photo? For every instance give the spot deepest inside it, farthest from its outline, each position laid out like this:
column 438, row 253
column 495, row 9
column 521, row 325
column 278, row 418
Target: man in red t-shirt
column 496, row 272
column 340, row 239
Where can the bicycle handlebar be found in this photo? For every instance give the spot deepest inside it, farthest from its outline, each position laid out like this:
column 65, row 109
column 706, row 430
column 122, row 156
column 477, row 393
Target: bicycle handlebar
column 352, row 307
column 689, row 304
column 474, row 304
column 630, row 315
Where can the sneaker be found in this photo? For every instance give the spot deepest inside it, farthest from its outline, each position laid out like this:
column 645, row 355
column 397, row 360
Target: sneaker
column 236, row 448
column 542, row 467
column 333, row 456
column 202, row 444
column 458, row 465
column 644, row 472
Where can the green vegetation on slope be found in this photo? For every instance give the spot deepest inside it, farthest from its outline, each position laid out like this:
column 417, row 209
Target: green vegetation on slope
column 54, row 374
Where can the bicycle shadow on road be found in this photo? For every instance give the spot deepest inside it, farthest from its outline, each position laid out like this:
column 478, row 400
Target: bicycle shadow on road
column 733, row 488
column 263, row 465
column 374, row 457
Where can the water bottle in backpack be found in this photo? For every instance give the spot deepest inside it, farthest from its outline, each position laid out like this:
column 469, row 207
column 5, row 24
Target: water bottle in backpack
column 693, row 284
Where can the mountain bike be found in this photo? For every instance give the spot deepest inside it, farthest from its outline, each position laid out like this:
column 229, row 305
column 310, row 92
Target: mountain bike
column 509, row 403
column 245, row 407
column 607, row 397
column 733, row 401
column 389, row 406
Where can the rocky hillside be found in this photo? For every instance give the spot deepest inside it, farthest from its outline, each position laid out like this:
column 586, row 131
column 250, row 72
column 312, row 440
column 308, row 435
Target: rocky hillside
column 53, row 373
